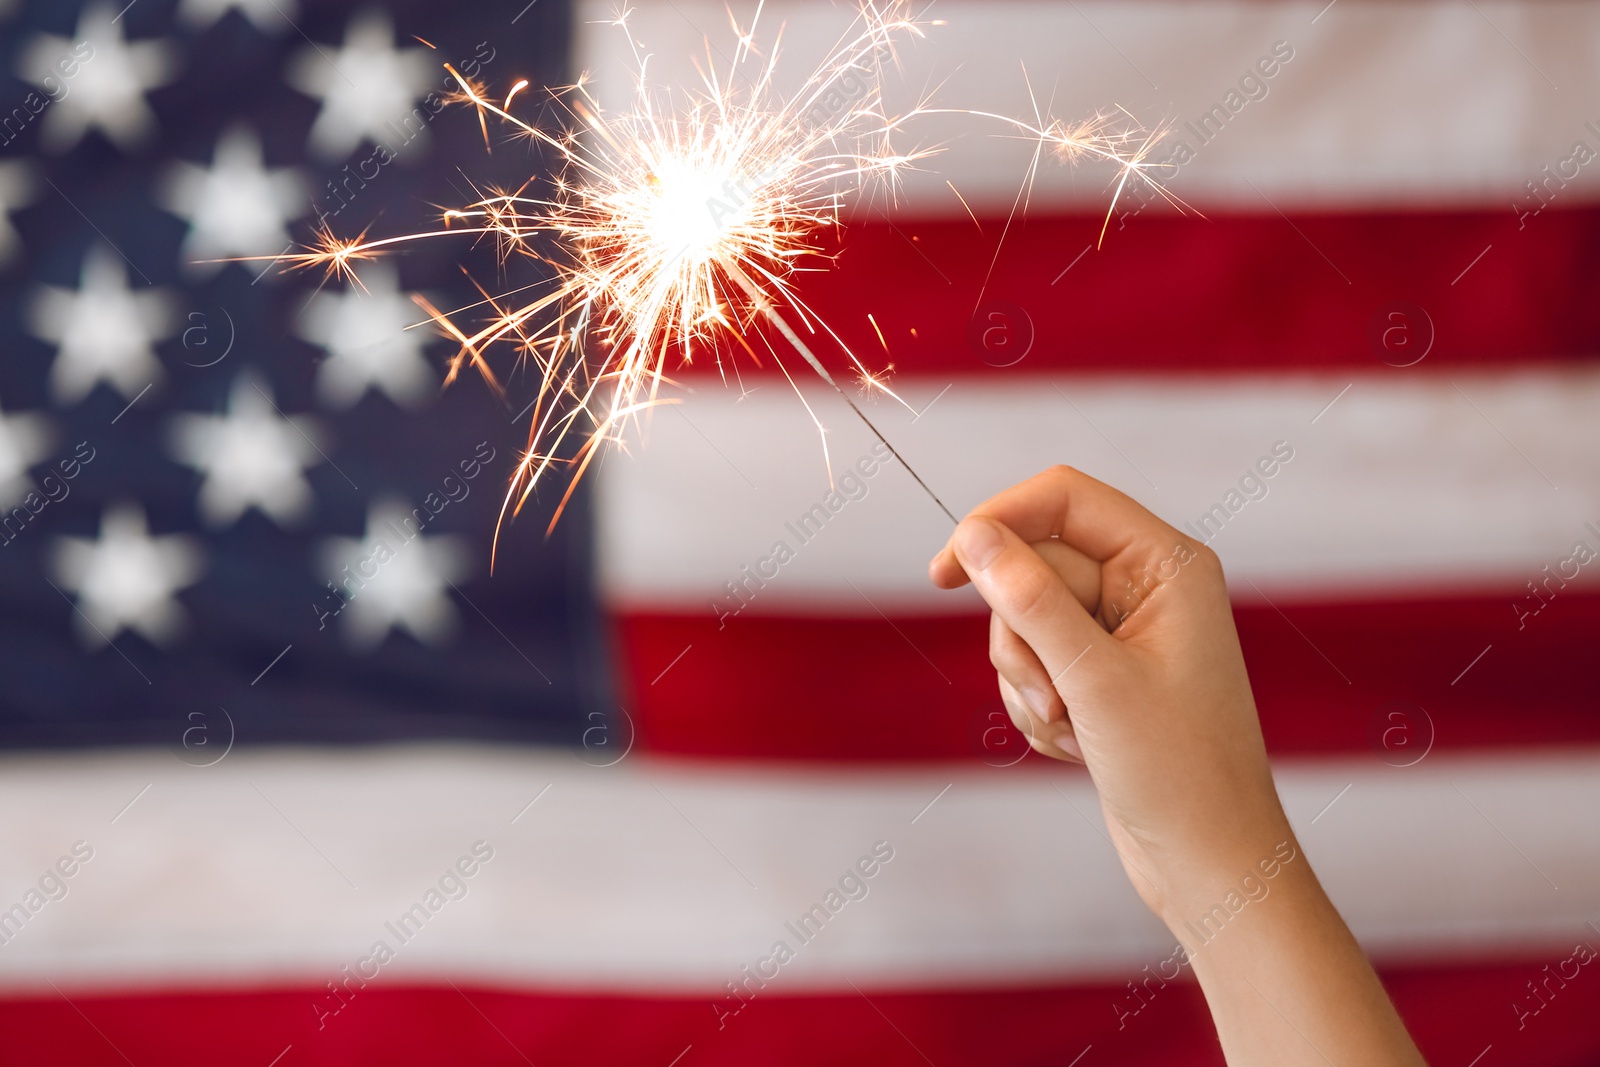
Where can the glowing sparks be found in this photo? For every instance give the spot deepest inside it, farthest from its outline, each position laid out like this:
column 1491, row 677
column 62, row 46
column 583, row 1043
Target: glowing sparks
column 679, row 224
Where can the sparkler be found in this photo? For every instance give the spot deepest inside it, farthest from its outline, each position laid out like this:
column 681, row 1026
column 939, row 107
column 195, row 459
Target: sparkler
column 679, row 229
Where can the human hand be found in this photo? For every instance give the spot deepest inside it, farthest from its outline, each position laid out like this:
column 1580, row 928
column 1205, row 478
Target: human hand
column 1114, row 644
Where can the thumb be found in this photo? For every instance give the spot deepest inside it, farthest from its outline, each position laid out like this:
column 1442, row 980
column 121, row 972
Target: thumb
column 1027, row 593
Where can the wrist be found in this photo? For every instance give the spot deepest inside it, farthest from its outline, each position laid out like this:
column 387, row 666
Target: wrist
column 1207, row 890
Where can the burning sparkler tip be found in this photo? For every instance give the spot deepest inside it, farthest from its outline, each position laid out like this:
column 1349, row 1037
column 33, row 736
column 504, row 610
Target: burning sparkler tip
column 684, row 228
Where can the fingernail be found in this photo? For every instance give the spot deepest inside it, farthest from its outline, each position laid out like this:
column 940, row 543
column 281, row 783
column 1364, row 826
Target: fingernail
column 1069, row 744
column 1038, row 702
column 980, row 542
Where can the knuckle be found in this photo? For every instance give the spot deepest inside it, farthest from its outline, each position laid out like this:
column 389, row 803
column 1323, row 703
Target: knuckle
column 1009, row 661
column 1014, row 711
column 999, row 643
column 1033, row 594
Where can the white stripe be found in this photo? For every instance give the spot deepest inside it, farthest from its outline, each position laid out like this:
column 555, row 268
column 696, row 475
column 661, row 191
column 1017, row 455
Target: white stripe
column 669, row 877
column 1382, row 104
column 1405, row 485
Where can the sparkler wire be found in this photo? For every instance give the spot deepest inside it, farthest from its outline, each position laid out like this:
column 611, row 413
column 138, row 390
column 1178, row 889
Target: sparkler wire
column 771, row 314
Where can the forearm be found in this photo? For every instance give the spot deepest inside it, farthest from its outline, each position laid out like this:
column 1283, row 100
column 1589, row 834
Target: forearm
column 1285, row 980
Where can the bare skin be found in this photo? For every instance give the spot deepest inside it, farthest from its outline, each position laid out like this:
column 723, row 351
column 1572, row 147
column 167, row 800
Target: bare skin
column 1115, row 647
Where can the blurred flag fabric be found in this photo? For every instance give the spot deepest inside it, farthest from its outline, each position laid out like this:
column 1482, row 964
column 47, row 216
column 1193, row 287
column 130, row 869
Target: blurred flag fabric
column 275, row 794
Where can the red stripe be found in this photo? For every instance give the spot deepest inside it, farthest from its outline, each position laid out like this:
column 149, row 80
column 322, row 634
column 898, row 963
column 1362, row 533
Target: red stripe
column 922, row 688
column 1454, row 1014
column 1256, row 292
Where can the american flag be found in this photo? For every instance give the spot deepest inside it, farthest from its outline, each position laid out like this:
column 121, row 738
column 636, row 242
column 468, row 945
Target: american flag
column 712, row 775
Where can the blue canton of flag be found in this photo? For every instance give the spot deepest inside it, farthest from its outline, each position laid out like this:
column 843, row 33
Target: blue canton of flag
column 241, row 498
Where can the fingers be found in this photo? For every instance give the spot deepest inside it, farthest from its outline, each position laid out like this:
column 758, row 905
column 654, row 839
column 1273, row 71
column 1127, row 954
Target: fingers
column 1027, row 594
column 1056, row 740
column 1016, row 664
column 1036, row 709
column 1063, row 503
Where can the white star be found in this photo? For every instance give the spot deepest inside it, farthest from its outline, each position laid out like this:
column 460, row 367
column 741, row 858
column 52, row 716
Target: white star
column 126, row 579
column 17, row 188
column 24, row 441
column 269, row 16
column 395, row 578
column 106, row 90
column 364, row 88
column 368, row 344
column 251, row 457
column 105, row 330
column 236, row 207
